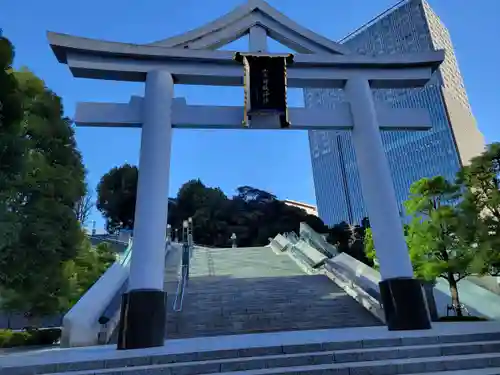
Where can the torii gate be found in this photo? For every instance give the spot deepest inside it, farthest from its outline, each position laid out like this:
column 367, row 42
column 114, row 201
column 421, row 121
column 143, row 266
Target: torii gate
column 192, row 58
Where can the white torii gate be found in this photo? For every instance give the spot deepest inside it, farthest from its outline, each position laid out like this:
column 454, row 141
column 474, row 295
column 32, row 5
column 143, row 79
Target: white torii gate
column 192, row 58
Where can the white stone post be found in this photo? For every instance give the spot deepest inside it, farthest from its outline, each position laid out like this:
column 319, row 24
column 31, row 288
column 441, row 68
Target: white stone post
column 401, row 295
column 257, row 39
column 143, row 311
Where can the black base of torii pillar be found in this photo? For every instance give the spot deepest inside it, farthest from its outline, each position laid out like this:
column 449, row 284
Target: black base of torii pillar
column 404, row 304
column 142, row 319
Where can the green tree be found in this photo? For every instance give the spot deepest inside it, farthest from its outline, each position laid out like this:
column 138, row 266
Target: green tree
column 209, row 209
column 105, row 255
column 116, row 195
column 43, row 232
column 192, row 196
column 481, row 180
column 12, row 144
column 341, row 235
column 350, row 239
column 369, row 248
column 83, row 207
column 89, row 264
column 436, row 245
column 252, row 214
column 11, row 115
column 84, row 270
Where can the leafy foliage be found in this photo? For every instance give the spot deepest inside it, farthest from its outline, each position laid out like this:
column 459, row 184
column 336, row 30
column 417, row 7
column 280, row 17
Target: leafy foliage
column 350, row 239
column 481, row 181
column 12, row 145
column 11, row 115
column 41, row 179
column 455, row 229
column 60, row 293
column 10, row 339
column 46, row 230
column 252, row 214
column 116, row 194
column 369, row 247
column 85, row 269
column 83, row 207
column 437, row 236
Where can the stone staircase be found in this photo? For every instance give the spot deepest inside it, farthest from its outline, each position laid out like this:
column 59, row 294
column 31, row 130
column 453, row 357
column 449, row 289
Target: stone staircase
column 237, row 300
column 299, row 354
column 250, row 290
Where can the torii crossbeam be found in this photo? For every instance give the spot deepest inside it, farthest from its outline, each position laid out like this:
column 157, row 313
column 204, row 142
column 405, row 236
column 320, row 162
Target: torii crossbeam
column 130, row 115
column 191, row 59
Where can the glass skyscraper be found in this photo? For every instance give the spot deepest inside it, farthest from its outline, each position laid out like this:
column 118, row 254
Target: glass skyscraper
column 410, row 26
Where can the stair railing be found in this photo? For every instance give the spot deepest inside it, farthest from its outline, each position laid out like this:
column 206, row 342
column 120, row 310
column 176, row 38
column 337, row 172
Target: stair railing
column 181, row 286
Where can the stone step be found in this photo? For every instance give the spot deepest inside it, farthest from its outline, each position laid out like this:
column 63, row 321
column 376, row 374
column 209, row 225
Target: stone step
column 274, row 311
column 241, row 262
column 173, row 332
column 402, row 366
column 371, row 358
column 254, row 290
column 259, row 301
column 207, row 317
column 484, row 371
column 467, row 364
column 309, row 285
column 213, row 322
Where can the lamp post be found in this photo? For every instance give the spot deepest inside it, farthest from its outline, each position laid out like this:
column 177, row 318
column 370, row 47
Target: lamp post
column 190, row 232
column 176, row 235
column 233, row 240
column 169, row 235
column 93, row 221
column 185, row 228
column 185, row 246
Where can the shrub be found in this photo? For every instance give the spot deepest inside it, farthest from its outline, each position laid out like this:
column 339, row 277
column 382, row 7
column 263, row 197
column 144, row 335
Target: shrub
column 10, row 339
column 5, row 336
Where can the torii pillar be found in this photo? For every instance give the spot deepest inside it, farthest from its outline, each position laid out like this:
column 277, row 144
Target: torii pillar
column 143, row 310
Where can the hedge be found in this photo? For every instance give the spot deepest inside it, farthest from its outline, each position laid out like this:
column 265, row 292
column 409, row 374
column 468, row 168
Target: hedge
column 44, row 336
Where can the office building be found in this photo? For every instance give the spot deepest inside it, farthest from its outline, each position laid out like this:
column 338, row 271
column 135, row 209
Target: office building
column 409, row 26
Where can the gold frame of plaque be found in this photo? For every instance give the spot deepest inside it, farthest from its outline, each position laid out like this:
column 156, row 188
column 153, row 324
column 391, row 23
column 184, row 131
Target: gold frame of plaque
column 265, row 85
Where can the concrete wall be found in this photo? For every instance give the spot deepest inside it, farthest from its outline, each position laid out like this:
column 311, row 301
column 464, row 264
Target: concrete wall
column 469, row 140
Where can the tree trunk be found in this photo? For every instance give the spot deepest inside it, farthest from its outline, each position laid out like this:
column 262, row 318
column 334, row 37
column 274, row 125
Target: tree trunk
column 454, row 294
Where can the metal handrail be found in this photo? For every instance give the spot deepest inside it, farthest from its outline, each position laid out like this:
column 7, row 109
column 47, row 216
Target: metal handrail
column 181, row 287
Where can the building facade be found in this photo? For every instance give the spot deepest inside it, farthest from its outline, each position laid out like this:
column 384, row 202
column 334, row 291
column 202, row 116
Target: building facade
column 410, row 26
column 308, row 208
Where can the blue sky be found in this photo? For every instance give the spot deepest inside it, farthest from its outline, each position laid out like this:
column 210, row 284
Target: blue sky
column 277, row 161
